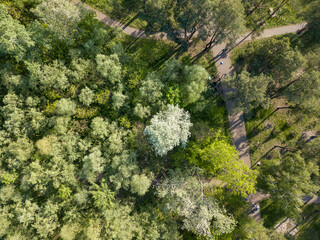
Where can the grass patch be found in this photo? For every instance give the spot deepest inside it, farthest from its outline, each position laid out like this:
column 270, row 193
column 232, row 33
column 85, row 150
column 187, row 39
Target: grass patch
column 290, row 13
column 310, row 228
column 283, row 128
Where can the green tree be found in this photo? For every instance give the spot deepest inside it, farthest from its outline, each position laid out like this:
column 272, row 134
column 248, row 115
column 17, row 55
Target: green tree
column 168, row 129
column 109, row 67
column 151, row 88
column 140, row 184
column 184, row 196
column 66, row 107
column 86, row 96
column 118, row 100
column 14, row 38
column 220, row 159
column 60, row 16
column 196, row 78
column 249, row 92
column 304, row 92
column 288, row 180
column 225, row 22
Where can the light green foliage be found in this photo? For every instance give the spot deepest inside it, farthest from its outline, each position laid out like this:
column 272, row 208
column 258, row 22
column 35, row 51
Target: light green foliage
column 102, row 96
column 18, row 152
column 14, row 38
column 168, row 129
column 150, row 89
column 140, row 184
column 221, row 160
column 66, row 107
column 64, row 192
column 80, row 69
column 4, row 221
column 195, row 83
column 184, row 196
column 288, row 180
column 173, row 95
column 121, row 223
column 141, row 111
column 93, row 165
column 102, row 196
column 48, row 76
column 13, row 115
column 100, row 128
column 49, row 145
column 124, row 167
column 7, row 178
column 70, row 230
column 60, row 16
column 109, row 67
column 118, row 100
column 86, row 96
column 250, row 92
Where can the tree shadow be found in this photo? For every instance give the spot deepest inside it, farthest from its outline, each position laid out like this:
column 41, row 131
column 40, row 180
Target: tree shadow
column 127, row 22
column 174, row 52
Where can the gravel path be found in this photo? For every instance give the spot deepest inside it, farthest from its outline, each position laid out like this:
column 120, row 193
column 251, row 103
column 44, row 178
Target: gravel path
column 236, row 120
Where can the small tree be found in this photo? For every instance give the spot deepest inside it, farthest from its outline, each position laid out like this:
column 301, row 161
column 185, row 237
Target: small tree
column 14, row 38
column 168, row 129
column 195, row 83
column 151, row 88
column 86, row 96
column 109, row 67
column 66, row 107
column 140, row 184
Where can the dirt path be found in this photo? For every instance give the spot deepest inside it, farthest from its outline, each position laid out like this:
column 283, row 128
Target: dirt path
column 125, row 28
column 236, row 120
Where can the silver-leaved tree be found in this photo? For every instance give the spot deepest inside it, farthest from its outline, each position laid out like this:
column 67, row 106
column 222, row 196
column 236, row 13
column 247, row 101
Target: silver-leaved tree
column 168, row 129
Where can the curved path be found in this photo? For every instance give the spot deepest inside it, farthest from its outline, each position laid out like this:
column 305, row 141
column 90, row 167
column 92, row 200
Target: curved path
column 236, row 120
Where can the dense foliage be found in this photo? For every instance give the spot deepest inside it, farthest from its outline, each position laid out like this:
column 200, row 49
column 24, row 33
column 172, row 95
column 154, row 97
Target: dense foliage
column 90, row 135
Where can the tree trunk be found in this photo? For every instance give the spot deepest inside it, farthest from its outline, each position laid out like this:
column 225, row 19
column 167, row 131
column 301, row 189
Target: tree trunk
column 277, row 109
column 254, row 9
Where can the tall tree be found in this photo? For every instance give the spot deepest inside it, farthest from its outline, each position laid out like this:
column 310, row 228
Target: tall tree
column 304, row 92
column 249, row 92
column 288, row 180
column 14, row 38
column 225, row 22
column 221, row 160
column 184, row 196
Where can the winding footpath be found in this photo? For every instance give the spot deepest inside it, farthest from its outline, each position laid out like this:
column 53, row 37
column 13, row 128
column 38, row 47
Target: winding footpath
column 236, row 120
